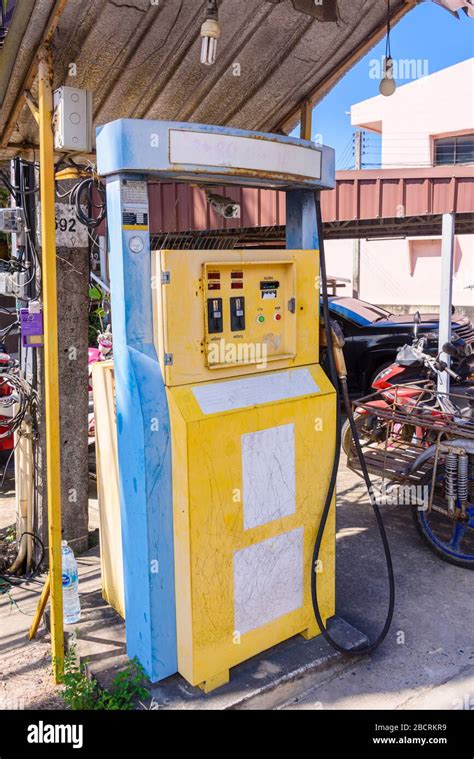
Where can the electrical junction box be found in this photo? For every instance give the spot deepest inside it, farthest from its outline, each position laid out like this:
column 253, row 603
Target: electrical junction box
column 13, row 284
column 11, row 220
column 31, row 325
column 72, row 120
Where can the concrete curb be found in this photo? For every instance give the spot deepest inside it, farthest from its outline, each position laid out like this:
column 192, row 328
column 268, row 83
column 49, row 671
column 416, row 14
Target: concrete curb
column 269, row 679
column 263, row 682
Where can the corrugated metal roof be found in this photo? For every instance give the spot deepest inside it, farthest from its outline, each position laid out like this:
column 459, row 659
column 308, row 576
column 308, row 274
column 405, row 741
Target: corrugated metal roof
column 369, row 194
column 180, row 207
column 142, row 60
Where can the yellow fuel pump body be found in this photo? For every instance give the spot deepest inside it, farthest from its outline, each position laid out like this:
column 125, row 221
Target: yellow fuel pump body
column 252, row 419
column 253, row 432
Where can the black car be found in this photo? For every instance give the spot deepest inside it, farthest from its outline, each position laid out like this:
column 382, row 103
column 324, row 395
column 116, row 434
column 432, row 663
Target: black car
column 373, row 336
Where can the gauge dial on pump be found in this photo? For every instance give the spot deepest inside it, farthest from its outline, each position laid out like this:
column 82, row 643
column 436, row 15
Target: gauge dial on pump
column 136, row 244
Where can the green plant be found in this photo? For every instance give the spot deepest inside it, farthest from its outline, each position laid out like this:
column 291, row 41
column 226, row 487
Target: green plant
column 127, row 686
column 79, row 690
column 82, row 692
column 10, row 534
column 98, row 308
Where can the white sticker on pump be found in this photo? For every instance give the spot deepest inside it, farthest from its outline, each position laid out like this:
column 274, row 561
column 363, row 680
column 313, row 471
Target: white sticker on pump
column 255, row 390
column 268, row 580
column 268, row 475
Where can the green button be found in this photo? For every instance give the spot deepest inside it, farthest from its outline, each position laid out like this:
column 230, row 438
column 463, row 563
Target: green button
column 261, row 319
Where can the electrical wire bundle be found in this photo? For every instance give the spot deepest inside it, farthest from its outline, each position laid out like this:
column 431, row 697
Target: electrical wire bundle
column 91, row 193
column 8, row 329
column 88, row 196
column 21, row 394
column 18, row 398
column 88, row 193
column 10, row 581
column 22, row 265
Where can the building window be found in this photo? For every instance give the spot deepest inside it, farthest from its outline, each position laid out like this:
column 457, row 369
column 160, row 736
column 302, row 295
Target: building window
column 451, row 150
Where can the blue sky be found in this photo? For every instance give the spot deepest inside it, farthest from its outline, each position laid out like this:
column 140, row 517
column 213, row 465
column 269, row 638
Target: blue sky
column 428, row 32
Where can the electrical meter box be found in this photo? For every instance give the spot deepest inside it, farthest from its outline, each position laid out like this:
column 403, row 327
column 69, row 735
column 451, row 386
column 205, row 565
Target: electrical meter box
column 72, row 120
column 12, row 220
column 252, row 429
column 13, row 284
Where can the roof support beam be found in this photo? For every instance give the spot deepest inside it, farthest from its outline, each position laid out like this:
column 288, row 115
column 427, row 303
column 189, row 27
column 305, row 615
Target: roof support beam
column 306, row 120
column 19, row 103
column 32, row 105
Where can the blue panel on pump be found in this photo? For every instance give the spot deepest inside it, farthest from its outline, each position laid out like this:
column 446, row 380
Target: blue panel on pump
column 183, row 152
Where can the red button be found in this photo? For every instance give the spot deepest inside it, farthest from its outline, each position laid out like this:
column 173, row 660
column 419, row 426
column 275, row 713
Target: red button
column 277, row 317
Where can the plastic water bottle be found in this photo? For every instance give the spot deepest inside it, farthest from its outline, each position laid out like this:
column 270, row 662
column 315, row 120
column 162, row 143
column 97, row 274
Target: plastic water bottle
column 71, row 602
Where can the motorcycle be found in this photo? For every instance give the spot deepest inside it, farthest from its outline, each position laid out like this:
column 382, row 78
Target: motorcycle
column 7, row 364
column 419, row 438
column 409, row 382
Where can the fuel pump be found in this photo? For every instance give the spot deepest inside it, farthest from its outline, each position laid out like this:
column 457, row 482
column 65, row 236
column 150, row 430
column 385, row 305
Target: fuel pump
column 226, row 422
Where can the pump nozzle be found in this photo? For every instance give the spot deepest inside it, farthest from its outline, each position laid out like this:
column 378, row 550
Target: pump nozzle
column 338, row 342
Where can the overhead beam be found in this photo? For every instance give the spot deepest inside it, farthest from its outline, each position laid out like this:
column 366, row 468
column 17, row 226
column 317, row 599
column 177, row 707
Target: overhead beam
column 306, row 120
column 29, row 79
column 32, row 105
column 290, row 121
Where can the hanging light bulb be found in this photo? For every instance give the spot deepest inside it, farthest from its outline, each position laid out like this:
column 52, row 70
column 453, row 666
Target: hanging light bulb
column 388, row 84
column 210, row 33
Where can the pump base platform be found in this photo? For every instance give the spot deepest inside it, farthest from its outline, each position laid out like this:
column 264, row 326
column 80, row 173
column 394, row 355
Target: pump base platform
column 264, row 681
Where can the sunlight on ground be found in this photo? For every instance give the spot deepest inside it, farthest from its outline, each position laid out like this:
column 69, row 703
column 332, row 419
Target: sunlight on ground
column 348, row 532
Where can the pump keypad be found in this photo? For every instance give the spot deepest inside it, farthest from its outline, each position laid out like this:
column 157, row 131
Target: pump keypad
column 251, row 321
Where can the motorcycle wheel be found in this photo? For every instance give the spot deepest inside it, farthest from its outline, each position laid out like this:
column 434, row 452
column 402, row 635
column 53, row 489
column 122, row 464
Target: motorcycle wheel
column 362, row 422
column 450, row 540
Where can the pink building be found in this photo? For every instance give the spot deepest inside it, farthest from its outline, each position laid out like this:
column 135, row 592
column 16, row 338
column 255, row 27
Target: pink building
column 427, row 123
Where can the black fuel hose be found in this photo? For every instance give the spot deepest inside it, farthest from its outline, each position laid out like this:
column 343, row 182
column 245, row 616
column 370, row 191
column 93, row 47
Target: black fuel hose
column 371, row 646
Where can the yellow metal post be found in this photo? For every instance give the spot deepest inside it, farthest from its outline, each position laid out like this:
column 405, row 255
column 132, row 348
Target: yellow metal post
column 50, row 312
column 40, row 609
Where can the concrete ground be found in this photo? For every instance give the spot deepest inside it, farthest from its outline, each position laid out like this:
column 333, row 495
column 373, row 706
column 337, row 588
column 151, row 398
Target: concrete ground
column 25, row 666
column 426, row 662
